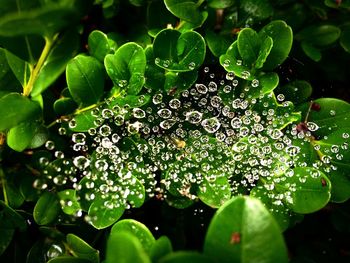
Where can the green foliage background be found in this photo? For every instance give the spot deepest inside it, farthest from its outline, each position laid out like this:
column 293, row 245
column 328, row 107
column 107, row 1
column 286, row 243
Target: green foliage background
column 62, row 59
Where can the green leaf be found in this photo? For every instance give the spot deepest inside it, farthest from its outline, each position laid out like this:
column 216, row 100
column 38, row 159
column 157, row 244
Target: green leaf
column 84, row 121
column 102, row 216
column 66, row 259
column 46, row 209
column 10, row 219
column 312, row 190
column 81, row 249
column 65, row 106
column 328, row 113
column 218, row 44
column 63, row 50
column 297, row 91
column 15, row 108
column 268, row 82
column 160, row 248
column 69, row 202
column 319, row 36
column 242, row 230
column 45, row 21
column 258, row 9
column 248, row 44
column 175, row 83
column 15, row 197
column 264, row 52
column 5, row 238
column 153, row 74
column 311, row 51
column 85, row 78
column 138, row 229
column 8, row 81
column 20, row 68
column 124, row 247
column 126, row 67
column 186, row 10
column 100, row 45
column 345, row 39
column 220, row 4
column 174, row 51
column 282, row 37
column 185, row 257
column 20, row 136
column 232, row 62
column 214, row 192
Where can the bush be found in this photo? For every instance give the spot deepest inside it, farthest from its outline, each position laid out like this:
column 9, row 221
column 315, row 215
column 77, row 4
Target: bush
column 204, row 126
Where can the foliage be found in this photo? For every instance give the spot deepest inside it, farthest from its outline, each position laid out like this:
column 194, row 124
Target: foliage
column 108, row 107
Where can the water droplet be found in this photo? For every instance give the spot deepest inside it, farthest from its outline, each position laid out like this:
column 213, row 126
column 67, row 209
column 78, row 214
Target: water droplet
column 50, row 145
column 138, row 113
column 174, row 104
column 255, row 82
column 81, row 162
column 230, row 75
column 194, row 117
column 211, row 125
column 226, row 63
column 192, row 66
column 164, row 113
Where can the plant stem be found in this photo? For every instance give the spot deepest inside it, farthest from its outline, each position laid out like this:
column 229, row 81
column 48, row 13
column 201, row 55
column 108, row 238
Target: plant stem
column 3, row 183
column 27, row 89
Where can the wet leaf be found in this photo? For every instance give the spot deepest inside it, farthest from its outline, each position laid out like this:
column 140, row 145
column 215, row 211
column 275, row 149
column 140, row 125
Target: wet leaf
column 319, row 36
column 46, row 209
column 68, row 201
column 214, row 192
column 102, row 216
column 137, row 229
column 125, row 247
column 100, row 45
column 15, row 108
column 82, row 249
column 258, row 9
column 242, row 230
column 185, row 257
column 85, row 78
column 311, row 51
column 186, row 10
column 282, row 37
column 126, row 67
column 175, row 51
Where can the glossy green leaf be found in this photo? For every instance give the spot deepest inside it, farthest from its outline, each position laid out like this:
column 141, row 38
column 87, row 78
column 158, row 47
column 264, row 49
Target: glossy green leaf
column 248, row 44
column 81, row 249
column 8, row 81
column 217, row 43
column 20, row 136
column 45, row 21
column 328, row 113
column 15, row 108
column 264, row 52
column 63, row 50
column 138, row 229
column 174, row 51
column 268, row 82
column 175, row 83
column 137, row 195
column 65, row 106
column 242, row 230
column 124, row 247
column 185, row 257
column 154, row 75
column 232, row 62
column 319, row 36
column 85, row 79
column 68, row 201
column 41, row 135
column 160, row 248
column 297, row 91
column 102, row 216
column 219, row 4
column 14, row 196
column 126, row 67
column 311, row 51
column 312, row 190
column 282, row 37
column 186, row 10
column 345, row 39
column 66, row 259
column 258, row 9
column 5, row 238
column 214, row 192
column 100, row 45
column 20, row 68
column 46, row 209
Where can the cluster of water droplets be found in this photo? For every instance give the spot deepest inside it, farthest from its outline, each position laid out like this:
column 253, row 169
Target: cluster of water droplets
column 175, row 144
